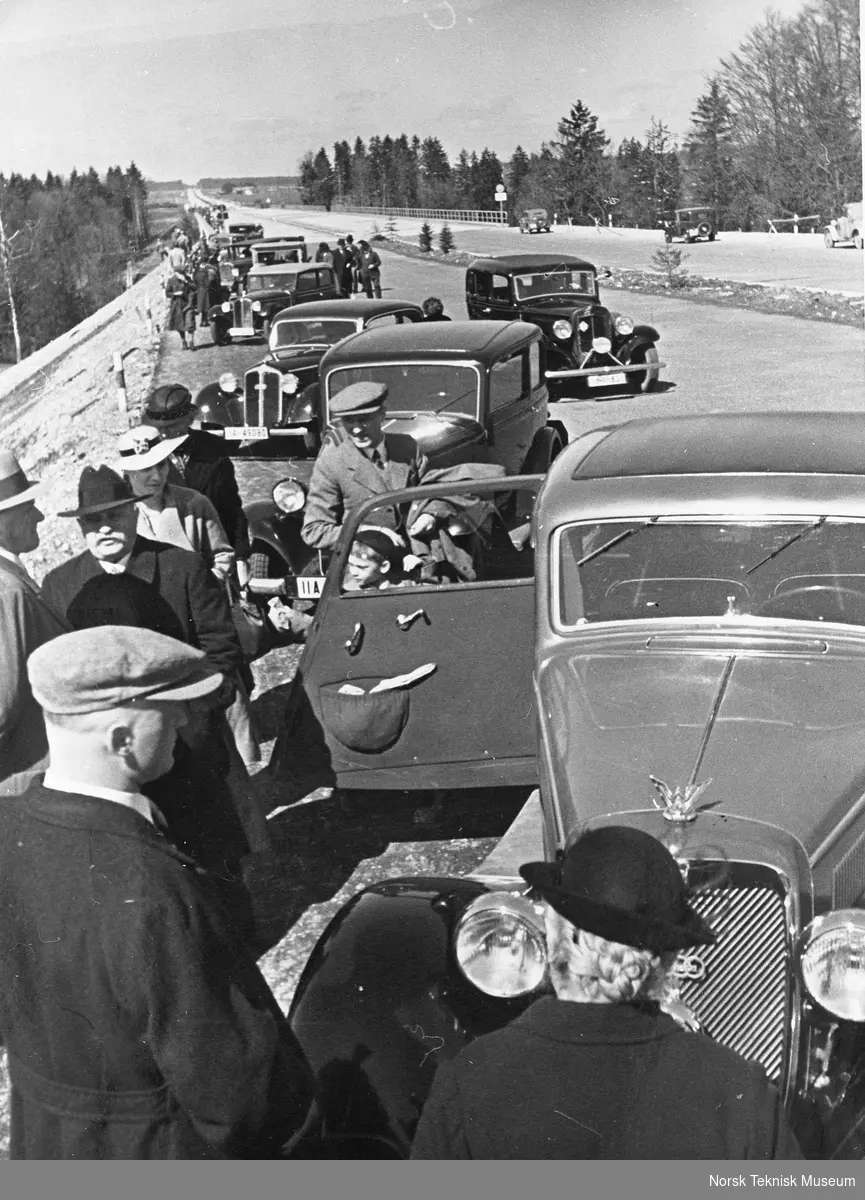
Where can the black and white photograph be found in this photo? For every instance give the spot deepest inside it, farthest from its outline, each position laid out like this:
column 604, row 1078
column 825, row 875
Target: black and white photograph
column 432, row 694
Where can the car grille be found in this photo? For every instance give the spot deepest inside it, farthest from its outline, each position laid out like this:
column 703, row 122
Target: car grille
column 242, row 313
column 262, row 397
column 743, row 1000
column 597, row 322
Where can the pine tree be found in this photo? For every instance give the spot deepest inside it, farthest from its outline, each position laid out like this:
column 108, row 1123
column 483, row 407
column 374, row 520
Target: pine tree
column 710, row 152
column 579, row 152
column 446, row 239
column 425, row 238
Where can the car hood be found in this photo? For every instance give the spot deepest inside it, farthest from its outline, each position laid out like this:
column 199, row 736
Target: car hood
column 556, row 310
column 439, row 436
column 777, row 724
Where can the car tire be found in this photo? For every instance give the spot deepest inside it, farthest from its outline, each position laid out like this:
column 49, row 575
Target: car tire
column 704, row 230
column 858, row 241
column 220, row 335
column 829, row 240
column 668, row 237
column 645, row 381
column 712, row 237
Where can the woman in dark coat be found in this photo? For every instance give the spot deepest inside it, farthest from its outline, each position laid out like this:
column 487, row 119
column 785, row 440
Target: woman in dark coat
column 599, row 1070
column 181, row 307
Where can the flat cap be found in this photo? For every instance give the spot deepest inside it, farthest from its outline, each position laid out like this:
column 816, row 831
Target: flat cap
column 358, row 399
column 92, row 670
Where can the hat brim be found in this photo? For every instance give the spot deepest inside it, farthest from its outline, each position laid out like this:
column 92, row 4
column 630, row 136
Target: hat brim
column 33, row 489
column 152, row 418
column 86, row 509
column 367, row 411
column 152, row 458
column 616, row 924
column 201, row 682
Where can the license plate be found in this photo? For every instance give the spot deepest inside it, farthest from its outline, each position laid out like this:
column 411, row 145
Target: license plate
column 309, row 586
column 246, row 433
column 616, row 377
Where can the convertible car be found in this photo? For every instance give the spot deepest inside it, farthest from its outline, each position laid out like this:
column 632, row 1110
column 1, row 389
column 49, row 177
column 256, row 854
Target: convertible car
column 697, row 670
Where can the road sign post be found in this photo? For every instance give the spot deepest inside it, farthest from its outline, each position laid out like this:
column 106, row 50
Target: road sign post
column 501, row 196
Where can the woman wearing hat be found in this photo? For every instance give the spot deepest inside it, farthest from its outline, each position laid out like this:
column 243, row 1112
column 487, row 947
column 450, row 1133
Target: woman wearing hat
column 597, row 1069
column 180, row 291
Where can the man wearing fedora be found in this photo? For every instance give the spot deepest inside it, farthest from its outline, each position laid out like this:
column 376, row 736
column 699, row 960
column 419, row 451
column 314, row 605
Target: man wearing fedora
column 358, row 461
column 26, row 622
column 137, row 1024
column 597, row 1069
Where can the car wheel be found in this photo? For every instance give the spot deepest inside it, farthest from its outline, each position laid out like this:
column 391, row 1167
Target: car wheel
column 704, row 230
column 668, row 237
column 829, row 240
column 712, row 237
column 858, row 242
column 645, row 381
column 220, row 335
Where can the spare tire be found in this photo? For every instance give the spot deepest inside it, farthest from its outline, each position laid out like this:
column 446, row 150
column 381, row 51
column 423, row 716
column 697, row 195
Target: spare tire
column 704, row 229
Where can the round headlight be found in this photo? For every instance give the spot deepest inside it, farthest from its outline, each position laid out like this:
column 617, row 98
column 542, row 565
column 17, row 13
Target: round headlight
column 602, row 345
column 289, row 495
column 290, row 384
column 226, row 307
column 500, row 945
column 832, row 962
column 563, row 329
column 256, row 306
column 624, row 325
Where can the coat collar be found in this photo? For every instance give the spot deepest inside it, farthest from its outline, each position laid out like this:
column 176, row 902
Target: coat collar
column 594, row 1024
column 142, row 560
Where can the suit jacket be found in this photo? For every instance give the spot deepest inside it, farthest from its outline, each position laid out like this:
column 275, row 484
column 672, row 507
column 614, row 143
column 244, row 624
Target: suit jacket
column 205, row 467
column 137, row 1024
column 26, row 622
column 343, row 477
column 181, row 578
column 567, row 1080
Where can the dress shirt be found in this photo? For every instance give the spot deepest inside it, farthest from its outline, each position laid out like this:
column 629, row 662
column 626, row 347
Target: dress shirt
column 59, row 782
column 115, row 568
column 13, row 558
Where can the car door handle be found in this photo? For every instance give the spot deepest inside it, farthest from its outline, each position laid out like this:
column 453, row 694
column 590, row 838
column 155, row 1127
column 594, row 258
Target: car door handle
column 355, row 642
column 405, row 621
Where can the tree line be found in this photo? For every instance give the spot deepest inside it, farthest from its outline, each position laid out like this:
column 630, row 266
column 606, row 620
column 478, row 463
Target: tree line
column 64, row 246
column 777, row 132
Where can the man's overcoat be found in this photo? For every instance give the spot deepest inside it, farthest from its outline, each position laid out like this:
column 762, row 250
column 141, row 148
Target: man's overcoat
column 568, row 1080
column 136, row 1023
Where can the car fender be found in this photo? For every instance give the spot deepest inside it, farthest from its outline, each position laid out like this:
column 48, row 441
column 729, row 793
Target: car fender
column 382, row 1003
column 643, row 335
column 215, row 313
column 543, row 449
column 279, row 531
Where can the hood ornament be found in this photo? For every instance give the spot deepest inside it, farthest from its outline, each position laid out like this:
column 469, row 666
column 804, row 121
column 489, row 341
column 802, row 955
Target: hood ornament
column 679, row 804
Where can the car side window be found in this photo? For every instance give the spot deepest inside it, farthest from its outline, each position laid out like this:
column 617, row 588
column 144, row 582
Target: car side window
column 385, row 319
column 501, row 289
column 506, row 381
column 306, row 281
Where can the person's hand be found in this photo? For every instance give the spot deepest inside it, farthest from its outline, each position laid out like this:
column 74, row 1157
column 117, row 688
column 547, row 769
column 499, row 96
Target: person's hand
column 425, row 523
column 243, row 573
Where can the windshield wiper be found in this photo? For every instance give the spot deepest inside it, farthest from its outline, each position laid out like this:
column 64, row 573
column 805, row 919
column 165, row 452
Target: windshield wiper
column 614, row 541
column 797, row 537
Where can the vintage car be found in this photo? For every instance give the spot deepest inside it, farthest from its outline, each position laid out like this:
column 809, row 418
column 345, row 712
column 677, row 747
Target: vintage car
column 535, row 220
column 846, row 230
column 590, row 349
column 268, row 290
column 235, row 260
column 269, row 251
column 466, row 393
column 698, row 614
column 691, row 224
column 246, row 229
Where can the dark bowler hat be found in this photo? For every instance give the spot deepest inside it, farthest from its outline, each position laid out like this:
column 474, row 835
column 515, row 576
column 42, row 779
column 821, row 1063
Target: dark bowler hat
column 168, row 402
column 92, row 670
column 358, row 400
column 15, row 487
column 100, row 489
column 623, row 885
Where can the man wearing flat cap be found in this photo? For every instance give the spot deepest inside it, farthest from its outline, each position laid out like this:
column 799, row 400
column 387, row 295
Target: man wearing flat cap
column 26, row 621
column 357, row 462
column 136, row 1023
column 597, row 1069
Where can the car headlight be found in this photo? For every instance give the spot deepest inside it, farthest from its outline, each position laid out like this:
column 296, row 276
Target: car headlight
column 832, row 962
column 256, row 306
column 290, row 384
column 226, row 307
column 624, row 325
column 500, row 945
column 602, row 345
column 289, row 495
column 235, row 271
column 563, row 329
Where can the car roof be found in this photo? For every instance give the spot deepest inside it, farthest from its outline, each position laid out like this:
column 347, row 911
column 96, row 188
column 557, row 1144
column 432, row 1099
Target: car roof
column 777, row 462
column 439, row 339
column 270, row 242
column 509, row 263
column 282, row 268
column 340, row 309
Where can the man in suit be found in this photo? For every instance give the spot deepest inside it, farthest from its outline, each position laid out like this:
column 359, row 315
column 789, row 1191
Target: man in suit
column 137, row 1024
column 26, row 622
column 360, row 461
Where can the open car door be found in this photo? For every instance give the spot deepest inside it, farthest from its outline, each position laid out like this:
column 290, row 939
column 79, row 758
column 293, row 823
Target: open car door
column 425, row 682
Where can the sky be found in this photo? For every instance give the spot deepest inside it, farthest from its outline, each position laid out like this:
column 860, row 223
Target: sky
column 221, row 88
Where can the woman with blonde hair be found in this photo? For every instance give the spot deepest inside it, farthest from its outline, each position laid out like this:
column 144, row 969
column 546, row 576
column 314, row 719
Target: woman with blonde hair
column 598, row 1069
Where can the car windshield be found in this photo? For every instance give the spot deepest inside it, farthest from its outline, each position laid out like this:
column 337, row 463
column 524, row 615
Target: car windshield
column 311, row 333
column 289, row 254
column 807, row 570
column 271, row 283
column 554, row 283
column 417, row 386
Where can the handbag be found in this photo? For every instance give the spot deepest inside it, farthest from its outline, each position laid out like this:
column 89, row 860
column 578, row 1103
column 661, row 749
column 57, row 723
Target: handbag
column 250, row 623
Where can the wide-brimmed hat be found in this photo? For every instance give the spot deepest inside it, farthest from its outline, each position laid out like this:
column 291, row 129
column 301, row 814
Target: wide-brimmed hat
column 168, row 402
column 101, row 489
column 623, row 885
column 144, row 447
column 15, row 487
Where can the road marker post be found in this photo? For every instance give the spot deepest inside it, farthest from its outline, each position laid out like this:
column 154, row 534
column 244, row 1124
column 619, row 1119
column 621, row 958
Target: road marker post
column 120, row 382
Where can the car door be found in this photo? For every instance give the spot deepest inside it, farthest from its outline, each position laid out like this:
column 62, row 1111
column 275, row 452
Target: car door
column 516, row 406
column 467, row 719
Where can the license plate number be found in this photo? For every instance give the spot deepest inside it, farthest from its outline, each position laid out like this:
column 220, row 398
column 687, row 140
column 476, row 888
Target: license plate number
column 617, row 377
column 309, row 586
column 246, row 433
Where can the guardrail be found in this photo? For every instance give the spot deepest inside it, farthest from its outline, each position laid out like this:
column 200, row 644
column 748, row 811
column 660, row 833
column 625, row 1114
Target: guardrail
column 794, row 221
column 479, row 216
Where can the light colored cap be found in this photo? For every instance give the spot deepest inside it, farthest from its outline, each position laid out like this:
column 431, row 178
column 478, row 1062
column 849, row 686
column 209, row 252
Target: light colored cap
column 358, row 399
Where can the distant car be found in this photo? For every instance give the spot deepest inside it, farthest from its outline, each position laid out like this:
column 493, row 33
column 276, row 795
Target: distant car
column 246, row 229
column 590, row 349
column 269, row 251
column 235, row 260
column 846, row 230
column 267, row 290
column 686, row 657
column 691, row 224
column 535, row 220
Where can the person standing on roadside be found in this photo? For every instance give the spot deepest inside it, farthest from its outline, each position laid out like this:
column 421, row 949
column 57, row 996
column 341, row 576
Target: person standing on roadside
column 137, row 1024
column 26, row 622
column 355, row 263
column 369, row 270
column 343, row 262
column 323, row 254
column 181, row 306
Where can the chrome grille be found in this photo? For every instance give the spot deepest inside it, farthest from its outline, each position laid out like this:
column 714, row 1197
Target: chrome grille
column 242, row 311
column 262, row 397
column 598, row 323
column 848, row 877
column 743, row 1000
